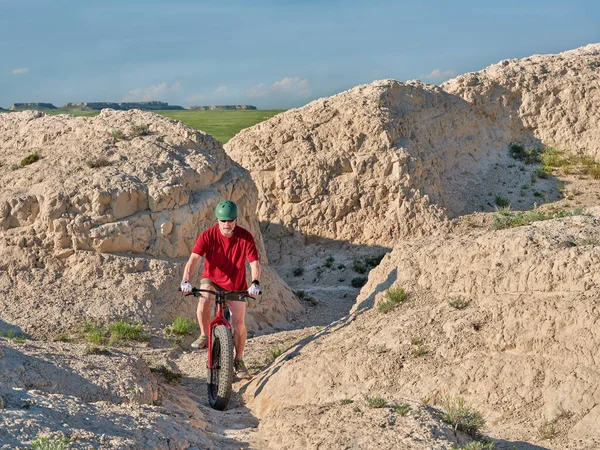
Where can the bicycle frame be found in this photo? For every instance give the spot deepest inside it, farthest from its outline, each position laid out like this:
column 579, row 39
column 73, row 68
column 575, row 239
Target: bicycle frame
column 219, row 319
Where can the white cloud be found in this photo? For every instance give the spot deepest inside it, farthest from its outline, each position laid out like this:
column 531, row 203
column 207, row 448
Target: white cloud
column 438, row 75
column 221, row 90
column 151, row 93
column 288, row 86
column 20, row 71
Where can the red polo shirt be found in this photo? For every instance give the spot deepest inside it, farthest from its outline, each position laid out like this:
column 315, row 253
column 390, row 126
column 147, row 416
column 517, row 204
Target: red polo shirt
column 225, row 258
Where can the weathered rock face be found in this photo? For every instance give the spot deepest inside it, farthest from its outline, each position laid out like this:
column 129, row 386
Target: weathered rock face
column 369, row 165
column 522, row 351
column 100, row 227
column 555, row 96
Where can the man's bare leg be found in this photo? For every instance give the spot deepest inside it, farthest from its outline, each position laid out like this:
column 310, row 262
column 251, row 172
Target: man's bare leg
column 204, row 309
column 238, row 314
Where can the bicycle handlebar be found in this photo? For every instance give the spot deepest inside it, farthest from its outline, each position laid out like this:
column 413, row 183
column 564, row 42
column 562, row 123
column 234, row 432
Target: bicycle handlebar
column 242, row 294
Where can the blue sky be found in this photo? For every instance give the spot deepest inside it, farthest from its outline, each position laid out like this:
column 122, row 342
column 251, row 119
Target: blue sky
column 268, row 53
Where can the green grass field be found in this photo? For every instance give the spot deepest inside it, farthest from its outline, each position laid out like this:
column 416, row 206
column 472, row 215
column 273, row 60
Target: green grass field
column 222, row 125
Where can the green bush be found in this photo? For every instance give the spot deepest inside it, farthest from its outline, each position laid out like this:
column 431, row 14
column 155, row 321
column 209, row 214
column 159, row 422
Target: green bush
column 181, row 326
column 121, row 330
column 50, row 443
column 459, row 303
column 462, row 417
column 298, row 271
column 118, row 134
column 30, row 159
column 274, row 352
column 502, row 202
column 140, row 130
column 358, row 282
column 395, row 296
column 520, row 153
column 376, row 402
column 402, row 409
column 551, row 158
column 359, row 266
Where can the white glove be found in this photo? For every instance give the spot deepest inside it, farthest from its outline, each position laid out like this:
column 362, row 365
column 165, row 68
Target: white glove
column 186, row 287
column 253, row 290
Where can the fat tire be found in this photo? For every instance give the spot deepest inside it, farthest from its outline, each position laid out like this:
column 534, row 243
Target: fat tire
column 220, row 378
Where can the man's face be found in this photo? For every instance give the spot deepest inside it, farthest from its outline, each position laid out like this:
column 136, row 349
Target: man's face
column 226, row 227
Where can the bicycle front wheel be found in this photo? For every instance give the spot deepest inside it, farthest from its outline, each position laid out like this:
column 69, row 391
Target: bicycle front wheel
column 220, row 376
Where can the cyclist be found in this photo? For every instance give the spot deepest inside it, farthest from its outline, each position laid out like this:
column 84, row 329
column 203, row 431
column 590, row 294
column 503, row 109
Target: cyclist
column 225, row 248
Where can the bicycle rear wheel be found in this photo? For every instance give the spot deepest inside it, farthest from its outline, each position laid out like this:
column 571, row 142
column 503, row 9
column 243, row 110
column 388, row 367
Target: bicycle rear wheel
column 220, row 377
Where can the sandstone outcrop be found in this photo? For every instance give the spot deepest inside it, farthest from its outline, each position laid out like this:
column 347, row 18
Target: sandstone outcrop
column 99, row 227
column 370, row 165
column 22, row 106
column 520, row 348
column 125, row 106
column 554, row 96
column 222, row 107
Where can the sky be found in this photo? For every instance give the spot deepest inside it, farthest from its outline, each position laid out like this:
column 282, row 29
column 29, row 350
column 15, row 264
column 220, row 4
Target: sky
column 273, row 54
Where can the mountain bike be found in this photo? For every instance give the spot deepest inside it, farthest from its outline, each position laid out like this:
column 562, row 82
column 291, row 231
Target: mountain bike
column 220, row 348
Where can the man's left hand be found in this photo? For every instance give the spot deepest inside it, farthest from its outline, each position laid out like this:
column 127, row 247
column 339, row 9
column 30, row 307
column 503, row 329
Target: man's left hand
column 253, row 290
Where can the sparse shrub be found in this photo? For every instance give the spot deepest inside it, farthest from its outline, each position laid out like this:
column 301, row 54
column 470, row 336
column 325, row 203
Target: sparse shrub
column 118, row 134
column 274, row 352
column 462, row 417
column 542, row 172
column 502, row 202
column 509, row 219
column 374, row 260
column 30, row 159
column 98, row 162
column 346, row 401
column 329, row 262
column 459, row 303
column 375, row 402
column 590, row 167
column 300, row 294
column 476, row 445
column 63, row 337
column 341, row 267
column 547, row 430
column 551, row 158
column 14, row 167
column 402, row 409
column 94, row 333
column 419, row 350
column 181, row 326
column 166, row 372
column 395, row 296
column 97, row 351
column 359, row 266
column 52, row 442
column 298, row 271
column 319, row 272
column 140, row 130
column 358, row 282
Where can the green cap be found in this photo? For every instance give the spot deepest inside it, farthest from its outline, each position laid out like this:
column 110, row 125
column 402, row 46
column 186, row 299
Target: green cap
column 226, row 210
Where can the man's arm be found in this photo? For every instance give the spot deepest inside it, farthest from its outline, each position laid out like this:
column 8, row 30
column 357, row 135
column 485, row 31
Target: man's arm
column 191, row 267
column 255, row 270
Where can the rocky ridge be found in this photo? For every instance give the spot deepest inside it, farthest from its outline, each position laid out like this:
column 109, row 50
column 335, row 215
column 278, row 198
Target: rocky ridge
column 112, row 219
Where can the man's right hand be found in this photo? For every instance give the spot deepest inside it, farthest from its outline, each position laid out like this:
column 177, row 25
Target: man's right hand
column 186, row 287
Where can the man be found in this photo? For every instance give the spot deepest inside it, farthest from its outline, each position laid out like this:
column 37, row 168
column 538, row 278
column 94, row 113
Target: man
column 225, row 248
